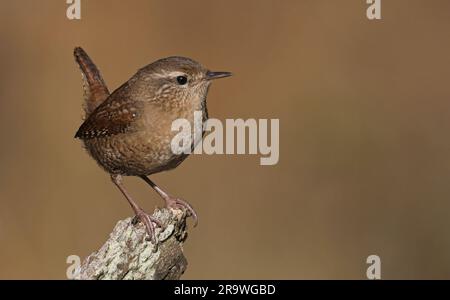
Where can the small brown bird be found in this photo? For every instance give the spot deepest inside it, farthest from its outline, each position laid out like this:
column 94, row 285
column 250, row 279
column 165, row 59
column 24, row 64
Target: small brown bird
column 129, row 131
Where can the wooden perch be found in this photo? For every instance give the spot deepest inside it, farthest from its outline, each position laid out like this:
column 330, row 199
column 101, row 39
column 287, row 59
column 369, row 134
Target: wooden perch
column 128, row 255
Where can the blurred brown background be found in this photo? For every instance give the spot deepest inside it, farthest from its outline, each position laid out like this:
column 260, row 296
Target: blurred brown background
column 364, row 111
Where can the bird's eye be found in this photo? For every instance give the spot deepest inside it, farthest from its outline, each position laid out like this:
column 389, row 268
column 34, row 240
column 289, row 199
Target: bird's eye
column 182, row 80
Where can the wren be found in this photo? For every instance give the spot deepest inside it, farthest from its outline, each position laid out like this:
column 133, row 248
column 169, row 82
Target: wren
column 128, row 132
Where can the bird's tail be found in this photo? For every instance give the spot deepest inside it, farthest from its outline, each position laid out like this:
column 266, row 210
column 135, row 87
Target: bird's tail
column 95, row 89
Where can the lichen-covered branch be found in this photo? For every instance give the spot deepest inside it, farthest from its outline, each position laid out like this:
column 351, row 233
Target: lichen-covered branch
column 128, row 255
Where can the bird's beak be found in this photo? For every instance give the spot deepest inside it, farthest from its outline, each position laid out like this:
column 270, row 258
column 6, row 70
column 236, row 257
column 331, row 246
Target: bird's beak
column 216, row 75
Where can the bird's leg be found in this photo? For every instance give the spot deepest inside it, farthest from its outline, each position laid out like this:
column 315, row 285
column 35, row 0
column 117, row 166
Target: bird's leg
column 172, row 202
column 145, row 218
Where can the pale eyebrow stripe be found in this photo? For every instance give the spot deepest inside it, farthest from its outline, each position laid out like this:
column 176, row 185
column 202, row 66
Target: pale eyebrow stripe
column 164, row 74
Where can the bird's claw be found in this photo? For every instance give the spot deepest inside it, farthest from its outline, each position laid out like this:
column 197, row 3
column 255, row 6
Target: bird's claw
column 149, row 223
column 177, row 203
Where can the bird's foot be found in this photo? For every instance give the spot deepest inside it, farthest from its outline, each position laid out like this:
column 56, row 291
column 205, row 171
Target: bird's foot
column 177, row 203
column 149, row 223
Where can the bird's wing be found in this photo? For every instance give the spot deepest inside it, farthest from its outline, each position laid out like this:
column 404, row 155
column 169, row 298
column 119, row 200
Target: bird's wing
column 95, row 89
column 112, row 117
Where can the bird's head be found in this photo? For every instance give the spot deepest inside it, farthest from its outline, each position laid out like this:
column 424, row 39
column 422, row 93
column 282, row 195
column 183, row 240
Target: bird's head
column 178, row 81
